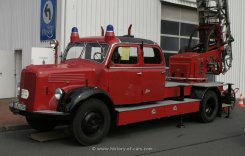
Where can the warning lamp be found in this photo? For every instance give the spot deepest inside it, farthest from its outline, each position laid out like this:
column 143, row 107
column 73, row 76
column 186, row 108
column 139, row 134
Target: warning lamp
column 74, row 34
column 109, row 35
column 74, row 30
column 109, row 28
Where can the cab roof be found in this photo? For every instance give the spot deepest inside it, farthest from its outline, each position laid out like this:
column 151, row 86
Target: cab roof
column 121, row 39
column 109, row 37
column 124, row 39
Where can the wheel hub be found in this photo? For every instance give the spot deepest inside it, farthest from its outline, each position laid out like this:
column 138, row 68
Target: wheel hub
column 210, row 107
column 92, row 123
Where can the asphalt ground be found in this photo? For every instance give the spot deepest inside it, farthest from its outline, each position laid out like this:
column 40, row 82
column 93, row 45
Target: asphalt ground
column 223, row 137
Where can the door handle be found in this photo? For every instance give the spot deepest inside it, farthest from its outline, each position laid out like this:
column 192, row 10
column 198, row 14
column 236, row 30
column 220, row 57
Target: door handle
column 140, row 73
column 163, row 72
column 1, row 73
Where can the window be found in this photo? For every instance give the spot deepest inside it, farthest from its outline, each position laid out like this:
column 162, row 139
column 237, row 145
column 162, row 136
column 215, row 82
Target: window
column 125, row 55
column 169, row 27
column 152, row 56
column 187, row 29
column 169, row 43
column 89, row 51
column 177, row 25
column 96, row 53
column 175, row 35
column 74, row 52
column 184, row 42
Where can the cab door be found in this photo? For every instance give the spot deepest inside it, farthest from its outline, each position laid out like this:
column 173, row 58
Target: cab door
column 125, row 75
column 153, row 74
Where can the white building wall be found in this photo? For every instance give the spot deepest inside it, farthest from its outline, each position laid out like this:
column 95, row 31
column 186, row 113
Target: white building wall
column 237, row 73
column 5, row 32
column 88, row 16
column 20, row 26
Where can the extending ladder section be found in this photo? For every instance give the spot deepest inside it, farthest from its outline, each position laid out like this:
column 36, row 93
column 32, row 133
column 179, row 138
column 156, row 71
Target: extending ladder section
column 216, row 12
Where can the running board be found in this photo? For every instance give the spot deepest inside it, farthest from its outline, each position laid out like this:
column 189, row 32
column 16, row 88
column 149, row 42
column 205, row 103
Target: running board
column 156, row 110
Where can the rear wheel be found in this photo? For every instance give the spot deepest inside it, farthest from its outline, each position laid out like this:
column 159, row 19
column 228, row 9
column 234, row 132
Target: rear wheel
column 209, row 107
column 91, row 122
column 41, row 125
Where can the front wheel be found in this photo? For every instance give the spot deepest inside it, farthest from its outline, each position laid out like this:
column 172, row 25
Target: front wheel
column 91, row 122
column 209, row 107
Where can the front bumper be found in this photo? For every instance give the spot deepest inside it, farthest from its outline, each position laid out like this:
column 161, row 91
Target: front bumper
column 18, row 108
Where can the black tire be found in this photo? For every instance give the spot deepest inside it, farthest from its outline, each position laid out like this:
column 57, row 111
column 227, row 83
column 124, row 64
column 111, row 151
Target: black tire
column 40, row 125
column 91, row 122
column 209, row 107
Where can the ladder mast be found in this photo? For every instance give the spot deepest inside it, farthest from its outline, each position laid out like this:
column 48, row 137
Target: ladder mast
column 216, row 12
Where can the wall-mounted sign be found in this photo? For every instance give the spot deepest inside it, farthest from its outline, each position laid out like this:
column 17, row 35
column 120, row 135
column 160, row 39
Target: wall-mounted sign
column 48, row 20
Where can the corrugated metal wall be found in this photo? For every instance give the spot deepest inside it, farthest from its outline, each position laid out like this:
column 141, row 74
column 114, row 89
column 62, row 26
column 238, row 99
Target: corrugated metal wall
column 20, row 26
column 237, row 73
column 5, row 32
column 88, row 16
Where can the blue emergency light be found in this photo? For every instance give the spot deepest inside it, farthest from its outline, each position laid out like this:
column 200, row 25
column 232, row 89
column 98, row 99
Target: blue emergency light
column 74, row 30
column 74, row 34
column 109, row 28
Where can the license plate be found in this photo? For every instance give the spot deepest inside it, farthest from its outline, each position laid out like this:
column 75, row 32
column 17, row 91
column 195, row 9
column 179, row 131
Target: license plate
column 18, row 106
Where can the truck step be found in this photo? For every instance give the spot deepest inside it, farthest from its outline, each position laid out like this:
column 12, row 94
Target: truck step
column 50, row 135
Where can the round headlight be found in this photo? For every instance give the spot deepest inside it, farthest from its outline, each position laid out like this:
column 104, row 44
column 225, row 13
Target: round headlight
column 58, row 93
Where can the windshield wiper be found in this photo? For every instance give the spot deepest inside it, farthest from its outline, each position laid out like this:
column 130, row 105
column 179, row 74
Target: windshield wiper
column 82, row 52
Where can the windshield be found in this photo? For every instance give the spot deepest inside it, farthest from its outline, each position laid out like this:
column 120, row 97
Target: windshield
column 90, row 51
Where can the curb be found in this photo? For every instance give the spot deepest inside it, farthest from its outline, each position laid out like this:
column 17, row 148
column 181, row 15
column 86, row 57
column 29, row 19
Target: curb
column 13, row 128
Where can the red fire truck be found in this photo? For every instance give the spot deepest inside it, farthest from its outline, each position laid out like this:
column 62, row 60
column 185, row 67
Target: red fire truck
column 119, row 80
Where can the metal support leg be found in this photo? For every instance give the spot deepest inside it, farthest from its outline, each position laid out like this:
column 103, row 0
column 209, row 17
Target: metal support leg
column 229, row 96
column 228, row 115
column 229, row 92
column 220, row 111
column 181, row 124
column 182, row 93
